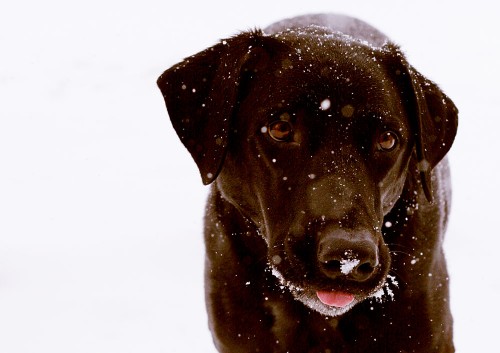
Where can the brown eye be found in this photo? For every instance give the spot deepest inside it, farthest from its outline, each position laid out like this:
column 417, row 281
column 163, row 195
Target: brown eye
column 280, row 130
column 387, row 141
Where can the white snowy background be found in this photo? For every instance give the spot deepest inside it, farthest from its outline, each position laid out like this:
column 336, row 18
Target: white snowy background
column 101, row 207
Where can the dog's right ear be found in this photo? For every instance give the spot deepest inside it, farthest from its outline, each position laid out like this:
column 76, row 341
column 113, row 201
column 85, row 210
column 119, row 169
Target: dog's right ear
column 201, row 95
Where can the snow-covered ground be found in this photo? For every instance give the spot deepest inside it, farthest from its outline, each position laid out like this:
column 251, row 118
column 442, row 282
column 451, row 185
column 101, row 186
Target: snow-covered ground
column 101, row 206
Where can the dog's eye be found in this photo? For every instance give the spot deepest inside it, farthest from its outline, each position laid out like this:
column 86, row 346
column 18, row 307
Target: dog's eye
column 387, row 141
column 280, row 130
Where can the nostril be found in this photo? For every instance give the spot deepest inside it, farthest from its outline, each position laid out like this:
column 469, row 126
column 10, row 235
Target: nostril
column 365, row 268
column 332, row 265
column 363, row 271
column 333, row 268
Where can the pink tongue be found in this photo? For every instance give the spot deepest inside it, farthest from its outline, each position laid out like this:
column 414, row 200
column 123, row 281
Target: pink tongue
column 337, row 299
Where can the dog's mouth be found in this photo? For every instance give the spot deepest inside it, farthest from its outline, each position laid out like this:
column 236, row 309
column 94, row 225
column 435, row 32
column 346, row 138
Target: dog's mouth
column 335, row 302
column 329, row 303
column 336, row 299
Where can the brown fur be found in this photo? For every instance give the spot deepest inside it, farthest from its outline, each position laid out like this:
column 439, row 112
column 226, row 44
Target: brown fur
column 281, row 214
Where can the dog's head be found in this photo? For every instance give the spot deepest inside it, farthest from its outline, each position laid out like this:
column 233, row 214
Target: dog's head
column 310, row 135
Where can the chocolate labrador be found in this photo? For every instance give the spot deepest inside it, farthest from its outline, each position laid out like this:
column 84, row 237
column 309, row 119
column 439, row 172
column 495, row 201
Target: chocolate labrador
column 330, row 189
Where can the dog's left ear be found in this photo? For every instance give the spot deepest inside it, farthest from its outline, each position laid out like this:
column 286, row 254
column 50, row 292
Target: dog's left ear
column 433, row 117
column 201, row 94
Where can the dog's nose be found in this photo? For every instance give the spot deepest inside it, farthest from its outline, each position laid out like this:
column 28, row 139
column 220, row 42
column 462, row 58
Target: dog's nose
column 350, row 254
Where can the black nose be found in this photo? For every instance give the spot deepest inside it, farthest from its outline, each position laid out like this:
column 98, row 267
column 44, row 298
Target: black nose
column 353, row 254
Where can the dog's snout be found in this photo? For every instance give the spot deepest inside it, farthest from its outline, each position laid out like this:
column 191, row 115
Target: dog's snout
column 351, row 255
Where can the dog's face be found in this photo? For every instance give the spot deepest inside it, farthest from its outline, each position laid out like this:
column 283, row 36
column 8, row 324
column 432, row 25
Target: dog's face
column 310, row 135
column 316, row 162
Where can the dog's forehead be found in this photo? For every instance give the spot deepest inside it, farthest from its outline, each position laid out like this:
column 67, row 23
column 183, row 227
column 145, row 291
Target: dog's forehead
column 329, row 88
column 341, row 84
column 320, row 66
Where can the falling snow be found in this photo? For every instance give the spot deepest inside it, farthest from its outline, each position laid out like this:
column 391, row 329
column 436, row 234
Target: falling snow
column 172, row 187
column 325, row 104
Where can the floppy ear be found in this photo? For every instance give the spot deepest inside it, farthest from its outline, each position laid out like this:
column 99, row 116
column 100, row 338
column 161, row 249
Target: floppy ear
column 201, row 95
column 433, row 119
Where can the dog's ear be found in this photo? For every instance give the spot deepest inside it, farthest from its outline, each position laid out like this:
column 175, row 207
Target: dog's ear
column 201, row 95
column 433, row 117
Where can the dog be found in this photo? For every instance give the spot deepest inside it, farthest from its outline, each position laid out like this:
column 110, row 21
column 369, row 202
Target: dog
column 330, row 190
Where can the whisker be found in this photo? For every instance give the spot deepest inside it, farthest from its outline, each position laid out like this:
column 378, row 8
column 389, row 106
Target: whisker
column 398, row 252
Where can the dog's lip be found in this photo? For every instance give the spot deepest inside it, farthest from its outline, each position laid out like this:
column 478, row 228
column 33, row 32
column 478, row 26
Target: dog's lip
column 336, row 299
column 308, row 295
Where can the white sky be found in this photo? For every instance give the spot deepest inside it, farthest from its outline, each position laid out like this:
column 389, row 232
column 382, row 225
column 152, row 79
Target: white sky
column 101, row 207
